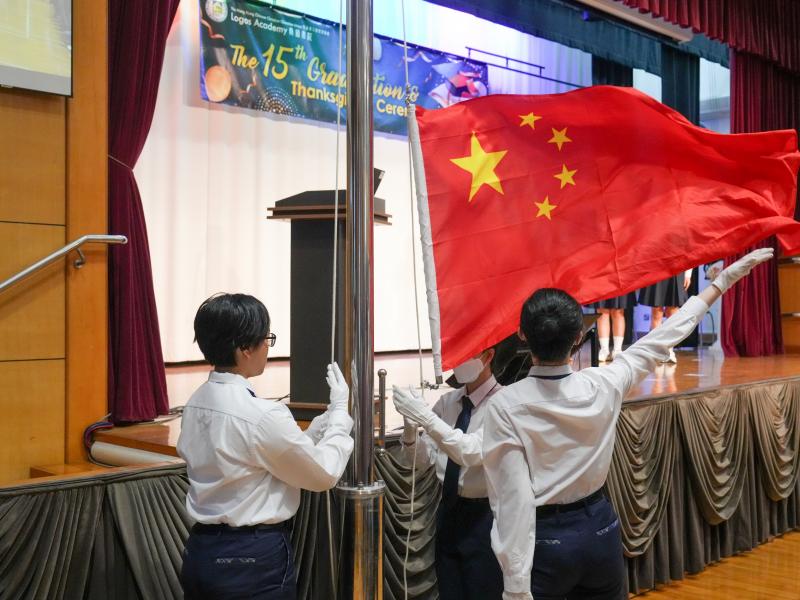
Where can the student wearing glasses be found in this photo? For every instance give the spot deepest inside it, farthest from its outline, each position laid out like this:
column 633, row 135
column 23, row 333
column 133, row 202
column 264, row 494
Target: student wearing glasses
column 247, row 459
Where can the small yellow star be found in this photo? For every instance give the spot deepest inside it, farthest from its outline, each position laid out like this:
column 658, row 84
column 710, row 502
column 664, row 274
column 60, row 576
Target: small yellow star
column 559, row 137
column 481, row 165
column 545, row 208
column 529, row 119
column 565, row 176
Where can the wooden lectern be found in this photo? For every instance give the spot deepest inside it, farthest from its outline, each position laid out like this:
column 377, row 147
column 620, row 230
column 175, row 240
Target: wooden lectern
column 312, row 214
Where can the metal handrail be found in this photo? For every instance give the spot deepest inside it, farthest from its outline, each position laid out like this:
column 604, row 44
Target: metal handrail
column 79, row 262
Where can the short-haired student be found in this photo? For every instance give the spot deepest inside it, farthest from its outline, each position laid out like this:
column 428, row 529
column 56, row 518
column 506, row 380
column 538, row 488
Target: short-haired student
column 247, row 459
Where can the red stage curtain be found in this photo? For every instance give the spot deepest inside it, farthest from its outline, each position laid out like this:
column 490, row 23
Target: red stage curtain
column 765, row 94
column 763, row 97
column 766, row 28
column 137, row 35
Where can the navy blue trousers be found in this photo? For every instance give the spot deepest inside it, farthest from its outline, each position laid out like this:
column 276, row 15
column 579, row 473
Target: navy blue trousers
column 238, row 564
column 579, row 555
column 466, row 567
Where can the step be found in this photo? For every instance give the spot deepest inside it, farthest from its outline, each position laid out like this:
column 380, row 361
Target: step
column 78, row 468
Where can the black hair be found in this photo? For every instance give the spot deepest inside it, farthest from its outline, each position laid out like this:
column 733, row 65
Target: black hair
column 226, row 322
column 551, row 320
column 504, row 353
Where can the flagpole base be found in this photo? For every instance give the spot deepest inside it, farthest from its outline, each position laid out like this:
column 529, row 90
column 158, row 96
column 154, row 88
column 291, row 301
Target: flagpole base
column 361, row 558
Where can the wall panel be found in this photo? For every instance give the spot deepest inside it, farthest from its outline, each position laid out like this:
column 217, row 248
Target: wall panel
column 53, row 327
column 32, row 157
column 87, row 213
column 789, row 285
column 32, row 423
column 32, row 312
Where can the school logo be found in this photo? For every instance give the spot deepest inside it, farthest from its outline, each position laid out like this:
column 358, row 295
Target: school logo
column 217, row 10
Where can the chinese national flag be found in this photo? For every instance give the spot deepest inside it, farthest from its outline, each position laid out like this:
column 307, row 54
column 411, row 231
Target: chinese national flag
column 598, row 192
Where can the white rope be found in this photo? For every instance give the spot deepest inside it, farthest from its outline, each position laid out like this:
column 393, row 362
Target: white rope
column 410, row 518
column 336, row 193
column 416, row 301
column 334, row 583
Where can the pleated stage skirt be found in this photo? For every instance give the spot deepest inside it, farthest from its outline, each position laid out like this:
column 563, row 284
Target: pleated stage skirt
column 668, row 292
column 624, row 301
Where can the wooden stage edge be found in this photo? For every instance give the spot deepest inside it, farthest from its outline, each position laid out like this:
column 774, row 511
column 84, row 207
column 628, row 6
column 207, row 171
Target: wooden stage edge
column 696, row 372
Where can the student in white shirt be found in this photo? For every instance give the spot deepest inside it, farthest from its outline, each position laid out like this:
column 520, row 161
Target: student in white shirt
column 547, row 446
column 452, row 440
column 247, row 460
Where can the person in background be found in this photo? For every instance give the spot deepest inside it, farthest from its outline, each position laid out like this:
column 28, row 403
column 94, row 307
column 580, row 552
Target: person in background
column 452, row 440
column 612, row 319
column 247, row 460
column 665, row 297
column 547, row 446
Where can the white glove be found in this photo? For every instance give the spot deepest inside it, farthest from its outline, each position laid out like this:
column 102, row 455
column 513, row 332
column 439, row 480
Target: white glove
column 517, row 596
column 317, row 427
column 409, row 431
column 740, row 268
column 412, row 406
column 340, row 393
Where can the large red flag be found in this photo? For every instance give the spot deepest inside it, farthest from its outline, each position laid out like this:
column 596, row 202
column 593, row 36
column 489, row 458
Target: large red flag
column 597, row 191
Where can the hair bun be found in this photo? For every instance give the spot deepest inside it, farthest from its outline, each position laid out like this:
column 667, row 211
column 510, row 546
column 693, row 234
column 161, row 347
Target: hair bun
column 547, row 328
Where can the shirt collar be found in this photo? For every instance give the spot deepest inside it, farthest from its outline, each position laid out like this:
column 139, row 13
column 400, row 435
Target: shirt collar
column 550, row 371
column 482, row 392
column 229, row 378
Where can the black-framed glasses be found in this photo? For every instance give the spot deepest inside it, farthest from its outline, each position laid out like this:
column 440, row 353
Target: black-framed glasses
column 271, row 339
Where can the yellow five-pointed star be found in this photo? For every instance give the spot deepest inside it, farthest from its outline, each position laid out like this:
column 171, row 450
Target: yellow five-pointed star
column 529, row 119
column 545, row 208
column 559, row 137
column 565, row 176
column 481, row 165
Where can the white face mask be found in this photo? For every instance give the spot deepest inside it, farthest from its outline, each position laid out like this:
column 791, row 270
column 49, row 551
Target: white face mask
column 469, row 371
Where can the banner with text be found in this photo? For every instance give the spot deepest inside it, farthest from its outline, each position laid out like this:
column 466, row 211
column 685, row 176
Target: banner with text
column 283, row 62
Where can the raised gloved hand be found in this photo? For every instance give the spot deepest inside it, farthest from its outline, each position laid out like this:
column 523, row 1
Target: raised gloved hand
column 340, row 393
column 517, row 596
column 740, row 268
column 412, row 406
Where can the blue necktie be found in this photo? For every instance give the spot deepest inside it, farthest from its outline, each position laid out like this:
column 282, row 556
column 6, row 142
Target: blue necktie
column 451, row 472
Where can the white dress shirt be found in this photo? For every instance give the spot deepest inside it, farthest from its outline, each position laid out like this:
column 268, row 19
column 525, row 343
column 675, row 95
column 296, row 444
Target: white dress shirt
column 246, row 457
column 445, row 441
column 551, row 441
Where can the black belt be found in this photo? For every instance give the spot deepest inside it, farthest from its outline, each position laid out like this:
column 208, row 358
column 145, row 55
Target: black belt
column 553, row 509
column 480, row 501
column 472, row 501
column 217, row 528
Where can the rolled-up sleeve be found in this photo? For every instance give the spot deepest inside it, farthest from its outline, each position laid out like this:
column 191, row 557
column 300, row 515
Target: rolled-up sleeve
column 291, row 456
column 511, row 497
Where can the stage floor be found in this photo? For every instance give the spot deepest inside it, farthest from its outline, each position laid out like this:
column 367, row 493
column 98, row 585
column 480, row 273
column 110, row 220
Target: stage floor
column 768, row 572
column 708, row 369
column 695, row 372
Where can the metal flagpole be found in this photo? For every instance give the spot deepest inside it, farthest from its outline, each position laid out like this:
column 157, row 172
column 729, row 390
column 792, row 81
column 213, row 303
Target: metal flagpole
column 361, row 576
